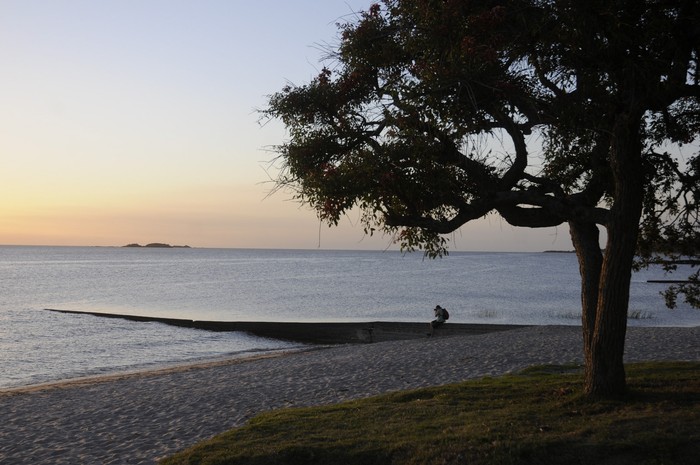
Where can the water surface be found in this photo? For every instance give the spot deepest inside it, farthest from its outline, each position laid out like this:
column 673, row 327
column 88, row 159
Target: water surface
column 263, row 285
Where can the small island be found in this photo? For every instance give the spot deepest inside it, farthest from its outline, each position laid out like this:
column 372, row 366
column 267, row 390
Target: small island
column 159, row 245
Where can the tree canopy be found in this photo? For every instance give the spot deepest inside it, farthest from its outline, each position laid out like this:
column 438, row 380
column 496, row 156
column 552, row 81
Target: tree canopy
column 433, row 113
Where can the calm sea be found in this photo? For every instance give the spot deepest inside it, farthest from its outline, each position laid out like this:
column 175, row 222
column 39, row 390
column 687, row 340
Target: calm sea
column 263, row 285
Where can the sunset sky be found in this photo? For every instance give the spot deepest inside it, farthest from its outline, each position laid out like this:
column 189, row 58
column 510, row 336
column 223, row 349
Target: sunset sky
column 135, row 121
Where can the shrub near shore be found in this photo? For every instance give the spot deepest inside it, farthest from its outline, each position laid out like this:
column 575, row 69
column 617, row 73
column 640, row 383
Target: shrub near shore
column 536, row 417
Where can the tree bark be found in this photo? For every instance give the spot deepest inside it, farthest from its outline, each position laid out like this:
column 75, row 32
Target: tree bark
column 585, row 238
column 606, row 375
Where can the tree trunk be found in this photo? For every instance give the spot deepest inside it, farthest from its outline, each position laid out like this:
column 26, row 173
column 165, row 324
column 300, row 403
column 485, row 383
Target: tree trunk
column 606, row 375
column 585, row 237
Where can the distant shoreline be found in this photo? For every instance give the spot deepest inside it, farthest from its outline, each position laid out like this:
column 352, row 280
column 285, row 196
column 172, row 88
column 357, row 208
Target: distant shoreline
column 158, row 245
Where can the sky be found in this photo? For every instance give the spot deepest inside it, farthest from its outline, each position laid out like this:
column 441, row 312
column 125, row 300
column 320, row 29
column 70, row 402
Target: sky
column 128, row 121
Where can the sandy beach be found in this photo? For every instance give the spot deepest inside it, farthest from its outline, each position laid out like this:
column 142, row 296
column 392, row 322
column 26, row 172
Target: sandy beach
column 138, row 418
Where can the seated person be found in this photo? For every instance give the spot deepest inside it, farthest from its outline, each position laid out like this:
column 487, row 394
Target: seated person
column 441, row 316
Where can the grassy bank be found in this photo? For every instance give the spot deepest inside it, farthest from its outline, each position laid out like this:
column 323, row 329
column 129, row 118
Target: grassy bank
column 535, row 417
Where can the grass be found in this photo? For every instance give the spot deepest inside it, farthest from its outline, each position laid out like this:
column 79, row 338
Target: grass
column 639, row 315
column 631, row 315
column 538, row 416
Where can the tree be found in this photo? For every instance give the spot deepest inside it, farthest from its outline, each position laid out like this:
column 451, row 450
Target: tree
column 586, row 100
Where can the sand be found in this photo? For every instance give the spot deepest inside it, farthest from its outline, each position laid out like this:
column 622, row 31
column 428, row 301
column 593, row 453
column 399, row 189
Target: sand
column 138, row 418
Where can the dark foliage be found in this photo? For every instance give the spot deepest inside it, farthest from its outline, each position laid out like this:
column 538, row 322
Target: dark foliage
column 433, row 113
